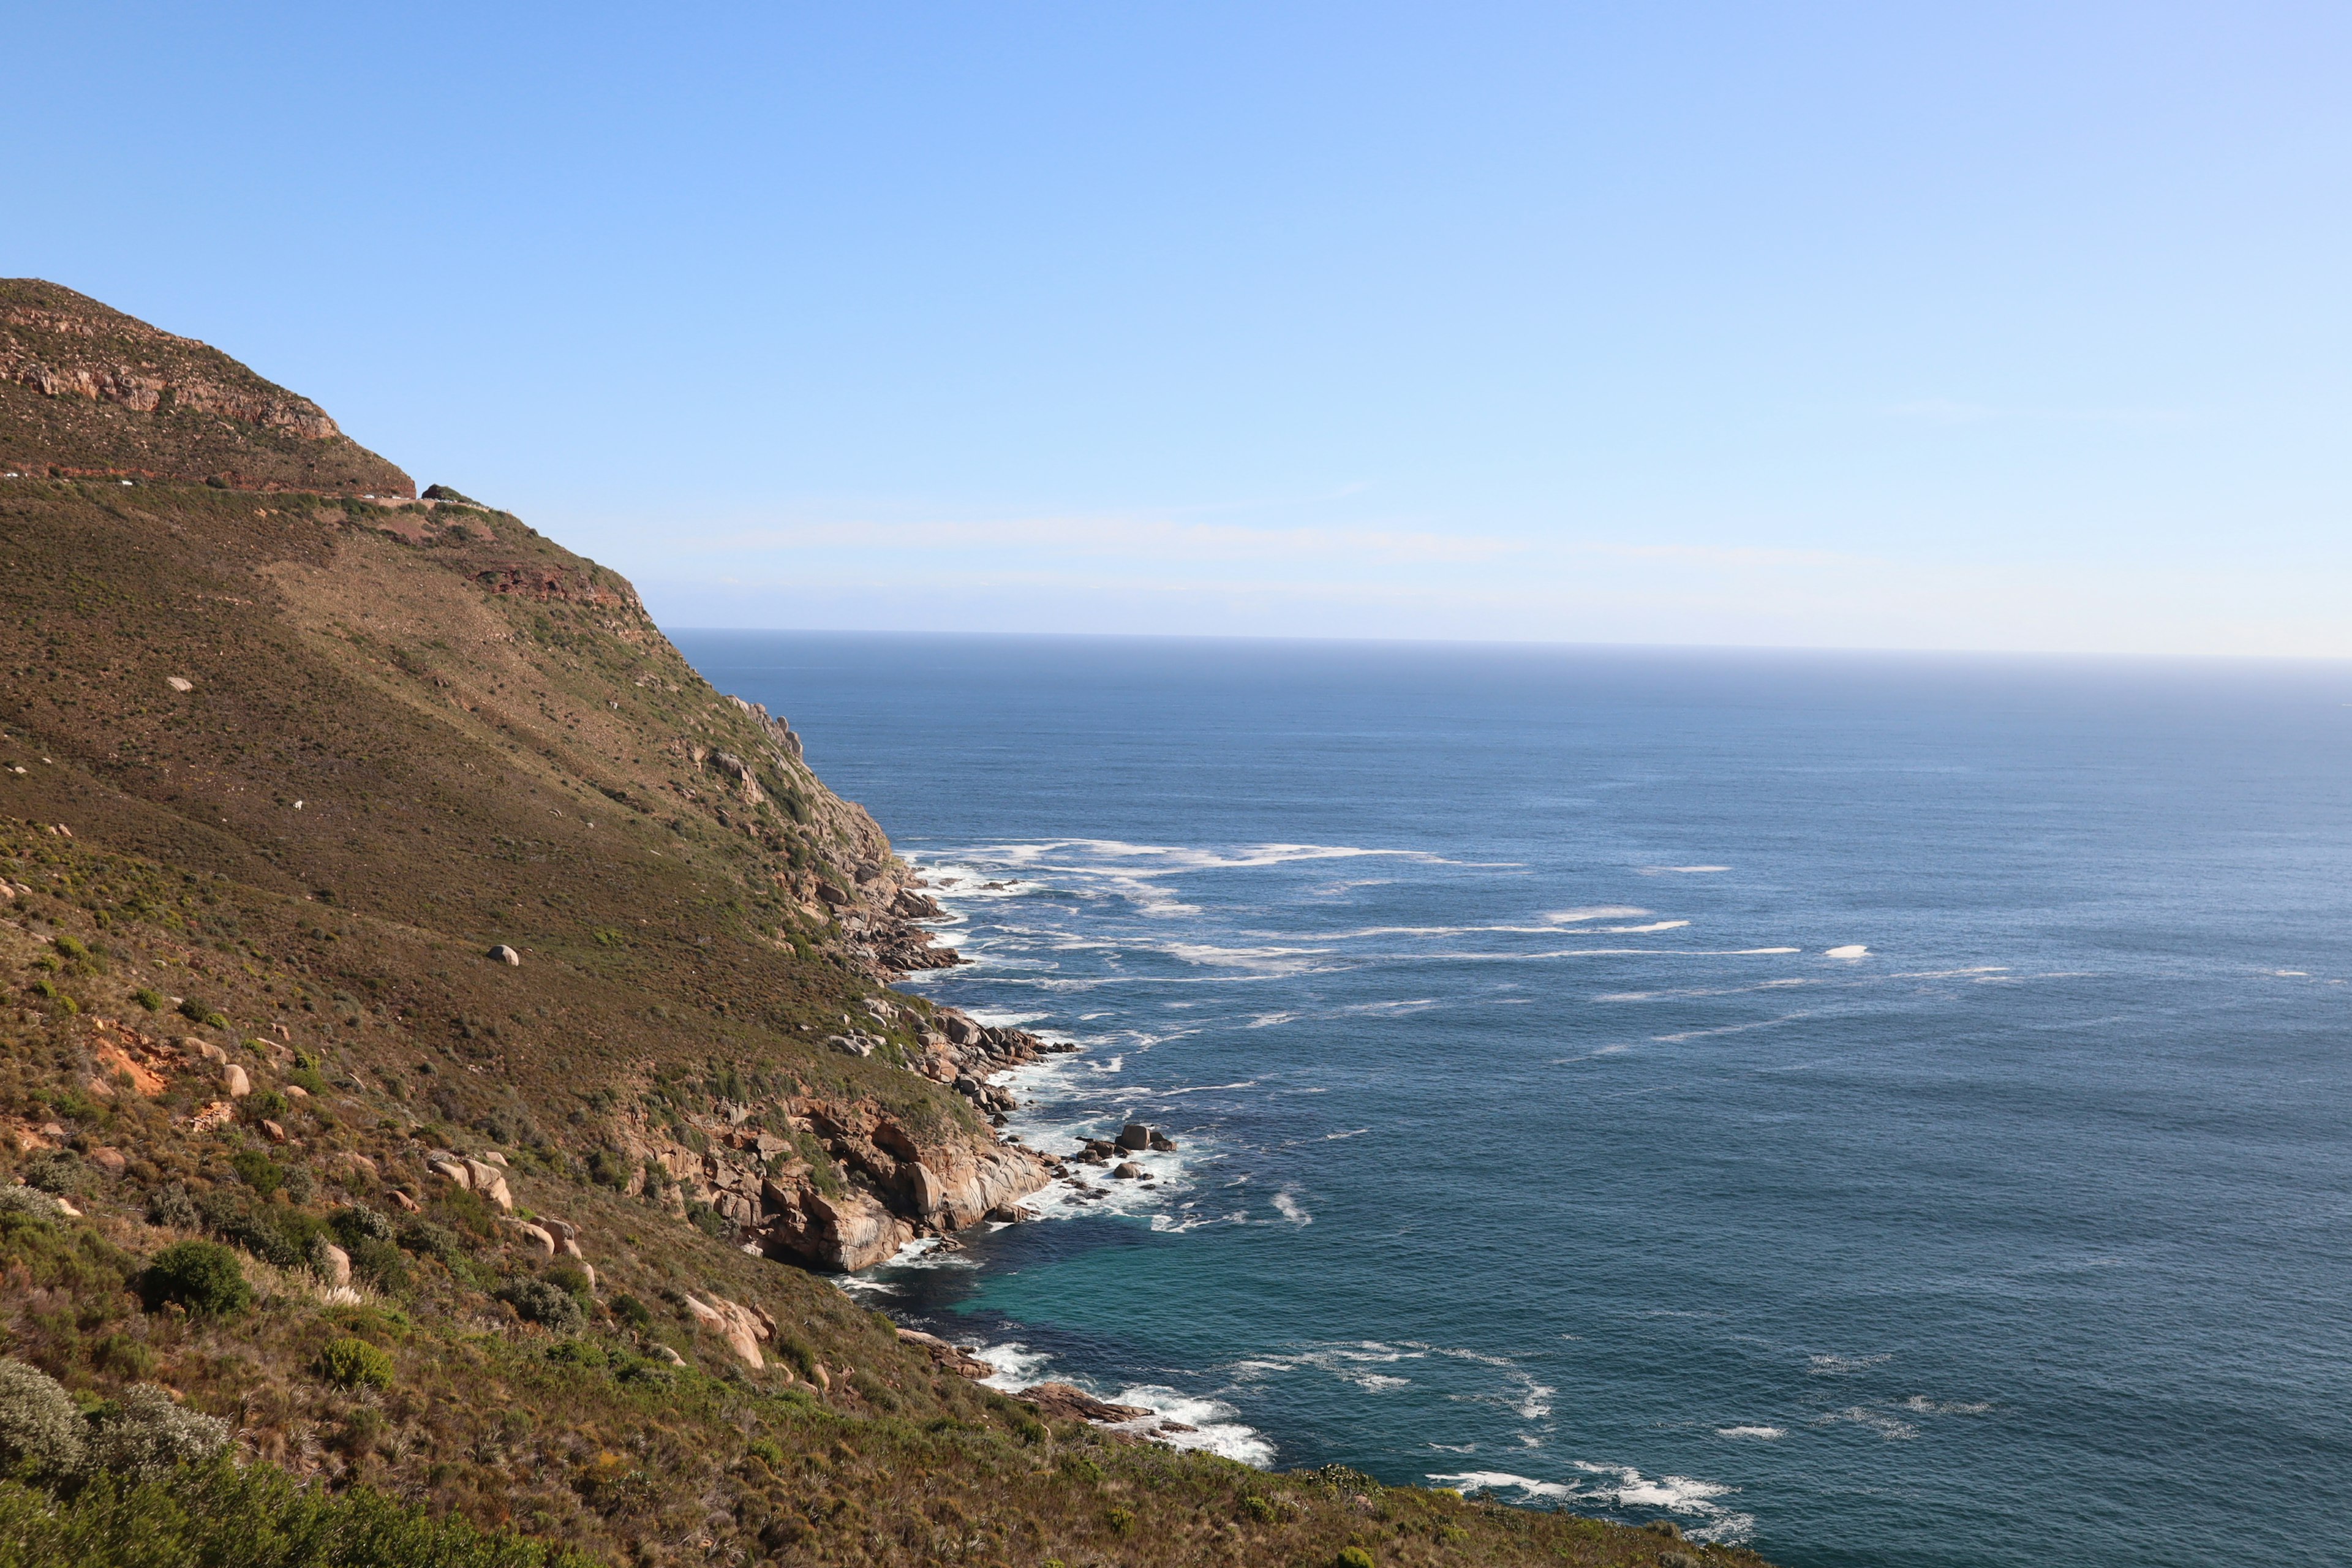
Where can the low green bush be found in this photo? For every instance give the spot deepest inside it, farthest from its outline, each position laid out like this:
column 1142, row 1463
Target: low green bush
column 171, row 1206
column 258, row 1170
column 255, row 1518
column 352, row 1363
column 542, row 1302
column 201, row 1276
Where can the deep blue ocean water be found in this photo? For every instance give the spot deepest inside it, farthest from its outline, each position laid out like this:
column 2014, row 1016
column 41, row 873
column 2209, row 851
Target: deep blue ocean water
column 1534, row 1137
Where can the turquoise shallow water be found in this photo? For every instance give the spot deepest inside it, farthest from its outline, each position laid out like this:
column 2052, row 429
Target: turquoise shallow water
column 1533, row 1135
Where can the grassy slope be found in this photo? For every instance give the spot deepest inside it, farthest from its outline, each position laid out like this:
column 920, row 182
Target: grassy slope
column 476, row 768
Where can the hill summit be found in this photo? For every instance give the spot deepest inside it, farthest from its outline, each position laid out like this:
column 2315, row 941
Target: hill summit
column 87, row 392
column 447, row 1044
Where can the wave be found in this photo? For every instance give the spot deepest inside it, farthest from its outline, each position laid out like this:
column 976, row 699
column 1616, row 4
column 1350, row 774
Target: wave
column 1893, row 1428
column 1728, row 1028
column 1765, row 1433
column 1501, row 1480
column 1596, row 913
column 1624, row 1487
column 1676, row 870
column 1216, row 1427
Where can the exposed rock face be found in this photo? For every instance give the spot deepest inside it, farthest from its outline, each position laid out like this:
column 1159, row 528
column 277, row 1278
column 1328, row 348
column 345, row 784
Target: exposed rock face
column 887, row 1182
column 945, row 1356
column 1063, row 1401
column 736, row 1324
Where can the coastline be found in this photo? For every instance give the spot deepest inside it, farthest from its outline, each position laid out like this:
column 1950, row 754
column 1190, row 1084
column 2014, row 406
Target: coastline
column 1002, row 1069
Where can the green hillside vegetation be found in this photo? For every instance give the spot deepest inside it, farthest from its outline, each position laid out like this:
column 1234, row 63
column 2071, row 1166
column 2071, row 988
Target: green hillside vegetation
column 278, row 770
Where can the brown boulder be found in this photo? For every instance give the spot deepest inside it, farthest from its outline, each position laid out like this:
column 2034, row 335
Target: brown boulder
column 1063, row 1402
column 945, row 1356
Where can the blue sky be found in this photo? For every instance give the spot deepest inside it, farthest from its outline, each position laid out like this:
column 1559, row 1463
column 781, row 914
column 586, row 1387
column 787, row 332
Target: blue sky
column 1938, row 326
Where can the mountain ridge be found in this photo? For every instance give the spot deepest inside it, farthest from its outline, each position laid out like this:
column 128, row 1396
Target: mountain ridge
column 396, row 920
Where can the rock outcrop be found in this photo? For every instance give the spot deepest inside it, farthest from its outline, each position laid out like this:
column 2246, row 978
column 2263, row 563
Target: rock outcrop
column 843, row 1184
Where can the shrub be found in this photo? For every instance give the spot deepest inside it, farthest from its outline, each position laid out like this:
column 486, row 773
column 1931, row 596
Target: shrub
column 280, row 1237
column 380, row 1263
column 573, row 1283
column 359, row 1223
column 1122, row 1520
column 172, row 1206
column 28, row 1205
column 649, row 1374
column 201, row 1276
column 549, row 1305
column 144, row 1435
column 268, row 1102
column 586, row 1354
column 631, row 1311
column 150, row 999
column 425, row 1239
column 58, row 1172
column 258, row 1170
column 220, row 1513
column 1259, row 1509
column 607, row 1169
column 69, row 947
column 1352, row 1557
column 363, row 1425
column 123, row 1356
column 352, row 1363
column 41, row 1429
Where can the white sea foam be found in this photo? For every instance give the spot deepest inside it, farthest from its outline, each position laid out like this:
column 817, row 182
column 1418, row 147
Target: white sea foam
column 1729, row 1029
column 1852, row 949
column 1765, row 1433
column 1624, row 1487
column 1503, row 1480
column 1893, row 1428
column 1286, row 1205
column 1216, row 1430
column 1833, row 1365
column 1596, row 913
column 1677, row 871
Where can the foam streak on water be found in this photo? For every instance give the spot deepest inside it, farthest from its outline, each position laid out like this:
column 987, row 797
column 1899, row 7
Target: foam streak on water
column 1882, row 1111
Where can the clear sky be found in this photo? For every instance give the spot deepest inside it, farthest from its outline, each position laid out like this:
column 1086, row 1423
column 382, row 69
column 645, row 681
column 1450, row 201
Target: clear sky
column 1967, row 325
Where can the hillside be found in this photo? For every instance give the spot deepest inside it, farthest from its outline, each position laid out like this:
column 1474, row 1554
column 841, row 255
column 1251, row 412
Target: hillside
column 388, row 904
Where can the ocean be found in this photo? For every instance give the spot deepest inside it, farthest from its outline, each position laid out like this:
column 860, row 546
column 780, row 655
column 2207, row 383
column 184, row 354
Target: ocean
column 1880, row 1109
